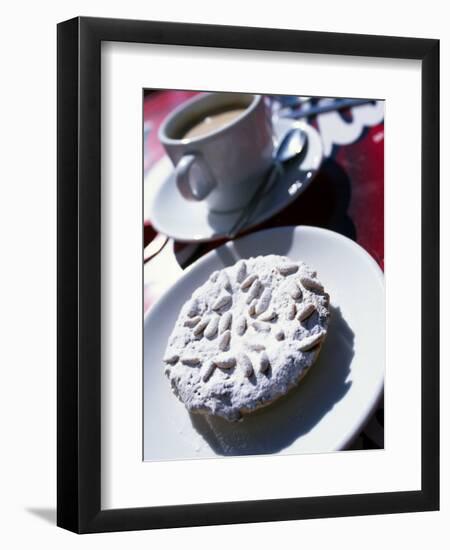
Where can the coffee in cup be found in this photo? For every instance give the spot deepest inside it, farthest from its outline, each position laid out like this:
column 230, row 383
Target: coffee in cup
column 221, row 145
column 212, row 122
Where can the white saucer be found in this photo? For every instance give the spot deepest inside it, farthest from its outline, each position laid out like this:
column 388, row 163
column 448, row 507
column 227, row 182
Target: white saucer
column 188, row 221
column 332, row 403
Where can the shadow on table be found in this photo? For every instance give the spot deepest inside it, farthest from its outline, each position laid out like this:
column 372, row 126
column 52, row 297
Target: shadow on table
column 275, row 428
column 324, row 204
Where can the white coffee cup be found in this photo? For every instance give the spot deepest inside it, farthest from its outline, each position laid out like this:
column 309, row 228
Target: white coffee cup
column 228, row 160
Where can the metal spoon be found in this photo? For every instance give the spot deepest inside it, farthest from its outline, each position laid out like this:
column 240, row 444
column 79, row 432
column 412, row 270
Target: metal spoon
column 337, row 105
column 290, row 147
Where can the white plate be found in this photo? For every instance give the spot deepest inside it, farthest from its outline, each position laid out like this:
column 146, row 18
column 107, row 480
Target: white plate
column 163, row 202
column 329, row 407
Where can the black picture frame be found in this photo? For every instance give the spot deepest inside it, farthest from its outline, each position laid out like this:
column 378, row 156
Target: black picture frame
column 79, row 274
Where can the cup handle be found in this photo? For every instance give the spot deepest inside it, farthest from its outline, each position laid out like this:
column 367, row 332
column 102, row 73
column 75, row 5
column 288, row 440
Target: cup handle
column 194, row 189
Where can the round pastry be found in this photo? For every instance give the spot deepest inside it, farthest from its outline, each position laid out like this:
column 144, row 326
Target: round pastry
column 247, row 336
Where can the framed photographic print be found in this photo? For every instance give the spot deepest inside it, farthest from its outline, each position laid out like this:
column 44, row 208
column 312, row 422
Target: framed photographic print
column 248, row 254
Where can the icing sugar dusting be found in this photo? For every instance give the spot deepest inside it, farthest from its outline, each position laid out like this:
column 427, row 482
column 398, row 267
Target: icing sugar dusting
column 246, row 336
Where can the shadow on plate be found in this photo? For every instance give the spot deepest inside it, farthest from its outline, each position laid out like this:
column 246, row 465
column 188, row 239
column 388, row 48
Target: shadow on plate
column 291, row 182
column 272, row 429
